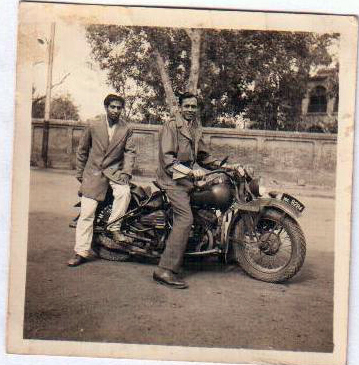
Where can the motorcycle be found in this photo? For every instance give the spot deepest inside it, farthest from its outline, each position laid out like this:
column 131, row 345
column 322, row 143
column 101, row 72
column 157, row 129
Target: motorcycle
column 233, row 220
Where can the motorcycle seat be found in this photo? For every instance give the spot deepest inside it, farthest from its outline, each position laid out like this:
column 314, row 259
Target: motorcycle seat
column 140, row 193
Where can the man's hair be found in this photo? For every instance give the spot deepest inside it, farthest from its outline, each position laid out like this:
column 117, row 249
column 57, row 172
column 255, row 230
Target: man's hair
column 113, row 97
column 184, row 96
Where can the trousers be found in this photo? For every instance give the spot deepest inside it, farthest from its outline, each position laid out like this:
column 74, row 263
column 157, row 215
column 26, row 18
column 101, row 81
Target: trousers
column 84, row 228
column 172, row 257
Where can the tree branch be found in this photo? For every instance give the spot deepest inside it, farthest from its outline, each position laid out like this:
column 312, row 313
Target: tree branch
column 189, row 32
column 37, row 99
column 129, row 108
column 170, row 96
column 195, row 37
column 61, row 81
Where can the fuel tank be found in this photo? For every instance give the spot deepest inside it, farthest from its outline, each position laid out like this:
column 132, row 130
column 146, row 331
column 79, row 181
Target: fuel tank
column 218, row 196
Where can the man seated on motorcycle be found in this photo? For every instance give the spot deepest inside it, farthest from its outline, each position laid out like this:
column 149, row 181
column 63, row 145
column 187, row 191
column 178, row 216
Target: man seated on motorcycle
column 105, row 157
column 181, row 145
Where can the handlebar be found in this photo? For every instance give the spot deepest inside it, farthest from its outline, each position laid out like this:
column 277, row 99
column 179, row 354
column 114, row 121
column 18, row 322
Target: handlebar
column 246, row 175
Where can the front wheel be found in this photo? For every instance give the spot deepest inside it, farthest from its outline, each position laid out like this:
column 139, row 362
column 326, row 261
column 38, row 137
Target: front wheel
column 274, row 251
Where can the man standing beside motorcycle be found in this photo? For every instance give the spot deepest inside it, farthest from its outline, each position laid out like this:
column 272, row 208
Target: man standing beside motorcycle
column 181, row 145
column 105, row 157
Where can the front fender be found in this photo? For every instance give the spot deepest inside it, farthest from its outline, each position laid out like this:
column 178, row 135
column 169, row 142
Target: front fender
column 277, row 204
column 258, row 205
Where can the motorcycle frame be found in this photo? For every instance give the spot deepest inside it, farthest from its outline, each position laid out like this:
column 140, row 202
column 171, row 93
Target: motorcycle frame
column 231, row 215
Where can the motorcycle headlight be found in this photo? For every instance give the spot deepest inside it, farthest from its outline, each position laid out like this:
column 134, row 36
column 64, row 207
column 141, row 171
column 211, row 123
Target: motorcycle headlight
column 254, row 187
column 262, row 188
column 257, row 188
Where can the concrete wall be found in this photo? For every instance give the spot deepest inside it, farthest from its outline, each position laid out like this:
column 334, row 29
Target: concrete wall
column 284, row 156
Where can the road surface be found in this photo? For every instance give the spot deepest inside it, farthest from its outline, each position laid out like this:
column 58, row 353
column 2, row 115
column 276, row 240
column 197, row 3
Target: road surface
column 119, row 302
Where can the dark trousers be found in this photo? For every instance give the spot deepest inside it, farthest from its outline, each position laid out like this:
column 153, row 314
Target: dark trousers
column 172, row 256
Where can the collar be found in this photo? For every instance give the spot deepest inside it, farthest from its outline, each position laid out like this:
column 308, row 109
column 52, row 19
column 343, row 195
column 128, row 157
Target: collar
column 113, row 124
column 181, row 122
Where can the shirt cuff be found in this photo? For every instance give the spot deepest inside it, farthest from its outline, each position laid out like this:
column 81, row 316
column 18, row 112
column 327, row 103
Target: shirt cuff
column 180, row 171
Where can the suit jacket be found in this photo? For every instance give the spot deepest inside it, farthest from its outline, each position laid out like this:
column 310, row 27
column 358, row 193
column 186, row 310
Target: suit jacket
column 97, row 157
column 178, row 145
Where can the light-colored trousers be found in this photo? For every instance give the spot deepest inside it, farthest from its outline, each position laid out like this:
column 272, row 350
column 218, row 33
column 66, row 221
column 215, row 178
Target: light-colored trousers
column 84, row 228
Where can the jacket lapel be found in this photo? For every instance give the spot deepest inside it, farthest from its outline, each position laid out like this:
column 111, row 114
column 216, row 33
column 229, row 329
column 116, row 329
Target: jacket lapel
column 198, row 136
column 117, row 137
column 185, row 132
column 182, row 124
column 102, row 133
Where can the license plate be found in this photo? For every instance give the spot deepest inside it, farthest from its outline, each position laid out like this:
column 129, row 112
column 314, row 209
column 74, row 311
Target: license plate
column 295, row 203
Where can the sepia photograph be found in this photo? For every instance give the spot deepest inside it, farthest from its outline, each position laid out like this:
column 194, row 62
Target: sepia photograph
column 184, row 178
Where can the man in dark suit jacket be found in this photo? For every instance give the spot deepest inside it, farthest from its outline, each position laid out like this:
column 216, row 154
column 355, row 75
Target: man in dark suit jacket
column 181, row 145
column 105, row 156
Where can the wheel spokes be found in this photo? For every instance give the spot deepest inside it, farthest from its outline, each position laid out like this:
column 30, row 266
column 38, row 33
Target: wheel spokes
column 275, row 251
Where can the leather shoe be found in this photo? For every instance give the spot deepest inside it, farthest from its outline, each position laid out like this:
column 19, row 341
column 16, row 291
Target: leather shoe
column 79, row 260
column 168, row 278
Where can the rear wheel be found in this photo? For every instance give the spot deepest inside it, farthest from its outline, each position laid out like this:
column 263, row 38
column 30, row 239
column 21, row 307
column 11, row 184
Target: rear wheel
column 276, row 250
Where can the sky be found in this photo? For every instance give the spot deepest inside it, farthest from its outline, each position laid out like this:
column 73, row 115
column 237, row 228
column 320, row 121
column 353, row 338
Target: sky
column 72, row 54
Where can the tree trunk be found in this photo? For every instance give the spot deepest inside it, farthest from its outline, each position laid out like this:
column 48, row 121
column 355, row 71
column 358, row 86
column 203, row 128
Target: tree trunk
column 195, row 37
column 170, row 96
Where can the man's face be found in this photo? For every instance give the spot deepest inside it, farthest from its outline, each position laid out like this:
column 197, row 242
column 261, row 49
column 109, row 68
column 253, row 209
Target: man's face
column 189, row 109
column 114, row 109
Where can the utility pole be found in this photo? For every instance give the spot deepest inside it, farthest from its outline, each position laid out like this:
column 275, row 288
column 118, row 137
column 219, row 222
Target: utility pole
column 45, row 135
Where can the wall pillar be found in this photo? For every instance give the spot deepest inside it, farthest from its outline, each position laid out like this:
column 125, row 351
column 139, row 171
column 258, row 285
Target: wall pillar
column 70, row 149
column 305, row 104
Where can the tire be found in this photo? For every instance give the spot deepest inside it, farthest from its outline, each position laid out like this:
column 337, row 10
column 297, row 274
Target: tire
column 270, row 243
column 102, row 245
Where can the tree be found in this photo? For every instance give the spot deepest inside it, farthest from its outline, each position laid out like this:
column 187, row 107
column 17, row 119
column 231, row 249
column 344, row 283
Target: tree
column 62, row 107
column 261, row 74
column 145, row 65
column 257, row 74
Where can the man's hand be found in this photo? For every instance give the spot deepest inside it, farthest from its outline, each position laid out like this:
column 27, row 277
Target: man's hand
column 241, row 171
column 236, row 167
column 198, row 174
column 124, row 179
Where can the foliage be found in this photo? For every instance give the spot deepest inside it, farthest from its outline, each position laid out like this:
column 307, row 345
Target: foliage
column 263, row 74
column 258, row 75
column 62, row 107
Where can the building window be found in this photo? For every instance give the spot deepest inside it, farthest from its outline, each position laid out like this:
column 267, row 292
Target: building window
column 336, row 103
column 318, row 100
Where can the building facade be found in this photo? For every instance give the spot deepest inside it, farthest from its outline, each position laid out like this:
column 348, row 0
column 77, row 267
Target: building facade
column 320, row 104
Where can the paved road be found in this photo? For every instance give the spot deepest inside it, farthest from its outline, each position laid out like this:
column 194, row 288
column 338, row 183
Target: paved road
column 119, row 302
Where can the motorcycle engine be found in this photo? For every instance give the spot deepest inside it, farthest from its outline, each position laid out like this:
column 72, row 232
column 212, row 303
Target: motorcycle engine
column 156, row 219
column 201, row 237
column 206, row 217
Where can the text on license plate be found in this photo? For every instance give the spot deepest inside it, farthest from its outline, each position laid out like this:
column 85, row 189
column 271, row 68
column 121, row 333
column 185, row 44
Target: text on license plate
column 295, row 203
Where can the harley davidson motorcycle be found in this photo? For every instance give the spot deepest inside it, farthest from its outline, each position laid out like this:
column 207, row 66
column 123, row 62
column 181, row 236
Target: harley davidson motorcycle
column 233, row 220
